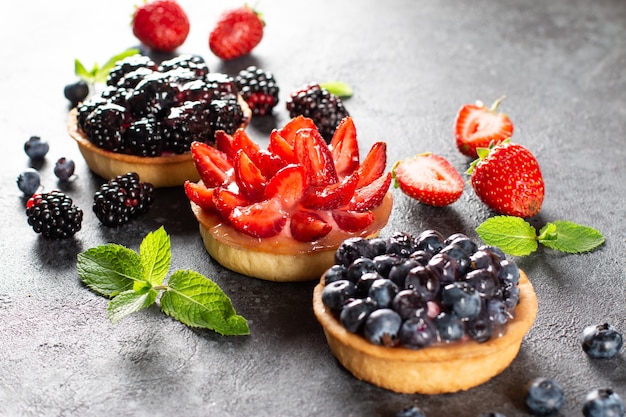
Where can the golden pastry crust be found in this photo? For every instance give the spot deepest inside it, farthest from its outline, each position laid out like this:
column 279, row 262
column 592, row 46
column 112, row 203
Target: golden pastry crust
column 433, row 370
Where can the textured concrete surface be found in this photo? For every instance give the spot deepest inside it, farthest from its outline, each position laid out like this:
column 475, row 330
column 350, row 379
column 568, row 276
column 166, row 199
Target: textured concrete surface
column 411, row 64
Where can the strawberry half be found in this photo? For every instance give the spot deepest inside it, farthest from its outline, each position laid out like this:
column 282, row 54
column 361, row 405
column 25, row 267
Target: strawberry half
column 200, row 195
column 288, row 186
column 313, row 154
column 236, row 33
column 249, row 177
column 370, row 196
column 352, row 221
column 262, row 219
column 429, row 178
column 373, row 166
column 477, row 126
column 161, row 25
column 332, row 196
column 214, row 166
column 307, row 226
column 507, row 178
column 345, row 148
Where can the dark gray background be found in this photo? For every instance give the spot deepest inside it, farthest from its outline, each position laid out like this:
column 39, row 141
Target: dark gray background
column 411, row 64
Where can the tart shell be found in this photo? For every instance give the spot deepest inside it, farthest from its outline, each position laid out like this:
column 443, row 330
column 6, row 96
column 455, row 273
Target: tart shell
column 433, row 370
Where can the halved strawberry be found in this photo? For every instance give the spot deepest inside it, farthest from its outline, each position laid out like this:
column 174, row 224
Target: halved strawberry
column 345, row 148
column 352, row 221
column 476, row 126
column 262, row 219
column 429, row 178
column 226, row 200
column 200, row 195
column 279, row 146
column 313, row 154
column 287, row 186
column 373, row 166
column 307, row 226
column 332, row 196
column 370, row 196
column 213, row 165
column 249, row 177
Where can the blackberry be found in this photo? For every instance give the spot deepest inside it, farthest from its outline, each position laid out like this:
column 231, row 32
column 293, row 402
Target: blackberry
column 84, row 109
column 128, row 65
column 154, row 95
column 225, row 114
column 122, row 199
column 185, row 124
column 133, row 78
column 105, row 126
column 144, row 138
column 221, row 85
column 324, row 108
column 53, row 215
column 259, row 89
column 194, row 63
column 115, row 95
column 196, row 90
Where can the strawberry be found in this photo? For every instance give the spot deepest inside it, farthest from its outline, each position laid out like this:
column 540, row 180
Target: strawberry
column 161, row 25
column 200, row 195
column 236, row 33
column 352, row 221
column 263, row 219
column 288, row 185
column 373, row 166
column 313, row 154
column 226, row 200
column 370, row 196
column 249, row 177
column 213, row 165
column 507, row 178
column 307, row 226
column 429, row 178
column 332, row 196
column 344, row 147
column 476, row 126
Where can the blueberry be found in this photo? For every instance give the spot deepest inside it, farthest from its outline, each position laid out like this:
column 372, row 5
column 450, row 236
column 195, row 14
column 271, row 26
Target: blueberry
column 486, row 259
column 64, row 169
column 412, row 411
column 460, row 256
column 601, row 341
column 337, row 293
column 423, row 281
column 36, row 148
column 450, row 327
column 498, row 313
column 360, row 267
column 355, row 312
column 76, row 92
column 382, row 292
column 409, row 303
column 480, row 328
column 401, row 244
column 510, row 296
column 398, row 273
column 445, row 267
column 421, row 256
column 603, row 402
column 461, row 240
column 484, row 281
column 496, row 250
column 461, row 298
column 379, row 246
column 544, row 396
column 385, row 262
column 335, row 273
column 351, row 249
column 28, row 182
column 418, row 332
column 382, row 327
column 365, row 282
column 430, row 241
column 509, row 272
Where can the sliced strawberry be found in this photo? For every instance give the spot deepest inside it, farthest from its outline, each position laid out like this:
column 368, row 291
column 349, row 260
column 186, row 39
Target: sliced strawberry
column 345, row 148
column 288, row 132
column 243, row 141
column 351, row 221
column 307, row 226
column 268, row 162
column 262, row 219
column 288, row 186
column 332, row 196
column 225, row 143
column 312, row 152
column 429, row 178
column 279, row 146
column 213, row 165
column 371, row 195
column 226, row 200
column 249, row 177
column 373, row 166
column 476, row 126
column 200, row 195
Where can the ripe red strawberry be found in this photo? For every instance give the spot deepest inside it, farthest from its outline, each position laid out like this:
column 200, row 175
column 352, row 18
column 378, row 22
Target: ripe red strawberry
column 200, row 195
column 345, row 148
column 373, row 166
column 429, row 178
column 307, row 226
column 332, row 196
column 249, row 177
column 263, row 219
column 313, row 154
column 161, row 25
column 213, row 165
column 226, row 200
column 236, row 33
column 477, row 126
column 507, row 178
column 288, row 186
column 352, row 221
column 370, row 196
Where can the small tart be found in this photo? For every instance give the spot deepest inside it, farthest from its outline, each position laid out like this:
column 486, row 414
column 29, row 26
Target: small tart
column 161, row 171
column 432, row 370
column 279, row 258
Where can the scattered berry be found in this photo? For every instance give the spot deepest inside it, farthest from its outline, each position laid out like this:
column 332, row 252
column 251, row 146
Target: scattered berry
column 477, row 126
column 64, row 168
column 161, row 25
column 507, row 178
column 602, row 341
column 53, row 215
column 603, row 402
column 122, row 199
column 411, row 411
column 76, row 92
column 259, row 89
column 545, row 396
column 28, row 182
column 236, row 33
column 36, row 148
column 429, row 178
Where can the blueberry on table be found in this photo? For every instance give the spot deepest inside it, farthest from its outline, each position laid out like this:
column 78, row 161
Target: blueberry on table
column 601, row 341
column 412, row 411
column 36, row 148
column 64, row 168
column 603, row 402
column 28, row 182
column 545, row 396
column 76, row 92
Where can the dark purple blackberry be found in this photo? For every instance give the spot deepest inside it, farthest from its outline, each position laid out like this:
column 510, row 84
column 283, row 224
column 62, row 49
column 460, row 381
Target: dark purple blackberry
column 144, row 138
column 225, row 114
column 185, row 124
column 54, row 215
column 180, row 76
column 133, row 78
column 318, row 104
column 105, row 126
column 154, row 95
column 259, row 89
column 122, row 199
column 194, row 63
column 128, row 65
column 86, row 107
column 222, row 85
column 196, row 90
column 115, row 95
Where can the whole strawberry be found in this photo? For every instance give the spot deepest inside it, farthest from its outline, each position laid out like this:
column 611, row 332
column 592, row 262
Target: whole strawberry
column 507, row 178
column 236, row 33
column 161, row 25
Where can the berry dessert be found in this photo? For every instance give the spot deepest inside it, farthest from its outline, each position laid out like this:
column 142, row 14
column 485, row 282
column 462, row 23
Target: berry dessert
column 259, row 89
column 54, row 215
column 146, row 117
column 424, row 314
column 122, row 199
column 279, row 213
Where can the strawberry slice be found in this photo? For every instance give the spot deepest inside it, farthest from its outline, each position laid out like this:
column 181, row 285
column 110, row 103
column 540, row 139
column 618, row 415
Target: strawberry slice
column 332, row 196
column 226, row 200
column 345, row 148
column 200, row 195
column 429, row 178
column 262, row 219
column 268, row 163
column 373, row 166
column 307, row 226
column 287, row 186
column 312, row 152
column 370, row 196
column 288, row 132
column 249, row 177
column 279, row 146
column 477, row 126
column 351, row 221
column 213, row 165
column 231, row 144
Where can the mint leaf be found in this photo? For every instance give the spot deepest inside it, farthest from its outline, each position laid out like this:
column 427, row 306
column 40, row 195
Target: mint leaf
column 341, row 90
column 129, row 302
column 198, row 302
column 511, row 234
column 81, row 71
column 570, row 237
column 155, row 255
column 103, row 72
column 109, row 269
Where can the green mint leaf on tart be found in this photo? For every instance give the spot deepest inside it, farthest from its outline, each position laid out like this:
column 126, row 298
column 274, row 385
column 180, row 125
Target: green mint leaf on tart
column 517, row 237
column 130, row 302
column 341, row 90
column 97, row 73
column 109, row 269
column 155, row 256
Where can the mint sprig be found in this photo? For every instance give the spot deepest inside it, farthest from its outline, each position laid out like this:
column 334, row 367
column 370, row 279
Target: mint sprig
column 97, row 73
column 134, row 281
column 516, row 236
column 341, row 90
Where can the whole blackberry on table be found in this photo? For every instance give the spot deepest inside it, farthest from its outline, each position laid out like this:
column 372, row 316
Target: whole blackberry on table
column 128, row 65
column 122, row 199
column 195, row 63
column 54, row 215
column 144, row 137
column 185, row 124
column 324, row 108
column 105, row 126
column 225, row 114
column 259, row 89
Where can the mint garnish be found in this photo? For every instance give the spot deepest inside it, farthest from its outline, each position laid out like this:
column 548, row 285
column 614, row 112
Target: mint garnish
column 135, row 280
column 97, row 73
column 341, row 90
column 517, row 237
